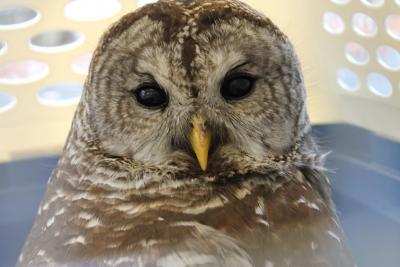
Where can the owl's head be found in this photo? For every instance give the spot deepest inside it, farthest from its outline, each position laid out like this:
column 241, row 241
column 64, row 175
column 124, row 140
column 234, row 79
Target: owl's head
column 209, row 85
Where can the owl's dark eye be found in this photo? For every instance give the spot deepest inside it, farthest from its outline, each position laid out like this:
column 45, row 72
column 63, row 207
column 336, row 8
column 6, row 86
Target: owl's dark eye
column 151, row 96
column 237, row 87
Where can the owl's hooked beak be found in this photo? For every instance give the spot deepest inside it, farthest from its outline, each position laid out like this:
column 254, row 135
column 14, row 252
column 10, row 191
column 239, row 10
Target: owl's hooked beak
column 200, row 138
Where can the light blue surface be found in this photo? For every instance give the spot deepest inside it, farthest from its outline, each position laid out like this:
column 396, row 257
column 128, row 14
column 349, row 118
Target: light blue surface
column 365, row 181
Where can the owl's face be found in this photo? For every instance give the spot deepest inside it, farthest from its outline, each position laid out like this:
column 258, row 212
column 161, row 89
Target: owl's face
column 216, row 69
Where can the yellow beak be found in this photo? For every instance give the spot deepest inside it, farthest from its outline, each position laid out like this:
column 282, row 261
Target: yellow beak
column 200, row 138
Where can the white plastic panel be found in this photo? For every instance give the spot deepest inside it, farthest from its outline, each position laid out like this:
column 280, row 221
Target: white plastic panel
column 364, row 25
column 59, row 95
column 333, row 23
column 56, row 41
column 12, row 18
column 321, row 50
column 91, row 10
column 356, row 53
column 7, row 102
column 23, row 71
column 80, row 64
column 388, row 57
column 380, row 85
column 348, row 79
column 373, row 3
column 341, row 2
column 392, row 25
column 145, row 2
column 3, row 47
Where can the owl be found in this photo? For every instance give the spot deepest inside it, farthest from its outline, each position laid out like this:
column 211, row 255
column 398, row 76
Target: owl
column 191, row 146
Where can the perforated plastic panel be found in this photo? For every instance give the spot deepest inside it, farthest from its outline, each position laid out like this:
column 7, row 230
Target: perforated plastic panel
column 349, row 50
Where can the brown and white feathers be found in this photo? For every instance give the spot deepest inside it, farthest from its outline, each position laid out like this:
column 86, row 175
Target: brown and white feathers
column 128, row 190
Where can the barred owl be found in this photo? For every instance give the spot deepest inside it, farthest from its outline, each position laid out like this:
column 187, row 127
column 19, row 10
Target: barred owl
column 191, row 146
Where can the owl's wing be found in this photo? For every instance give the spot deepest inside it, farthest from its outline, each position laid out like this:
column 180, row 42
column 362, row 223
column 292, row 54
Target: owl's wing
column 294, row 225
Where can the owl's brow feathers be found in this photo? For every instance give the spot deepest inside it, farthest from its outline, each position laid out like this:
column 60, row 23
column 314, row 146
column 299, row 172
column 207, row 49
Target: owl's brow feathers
column 182, row 20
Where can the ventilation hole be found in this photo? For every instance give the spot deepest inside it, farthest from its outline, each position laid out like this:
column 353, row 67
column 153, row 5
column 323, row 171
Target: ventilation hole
column 17, row 17
column 388, row 57
column 392, row 24
column 90, row 10
column 7, row 101
column 373, row 3
column 364, row 25
column 145, row 2
column 333, row 23
column 80, row 64
column 379, row 85
column 3, row 47
column 341, row 2
column 24, row 71
column 348, row 80
column 356, row 54
column 59, row 95
column 56, row 41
